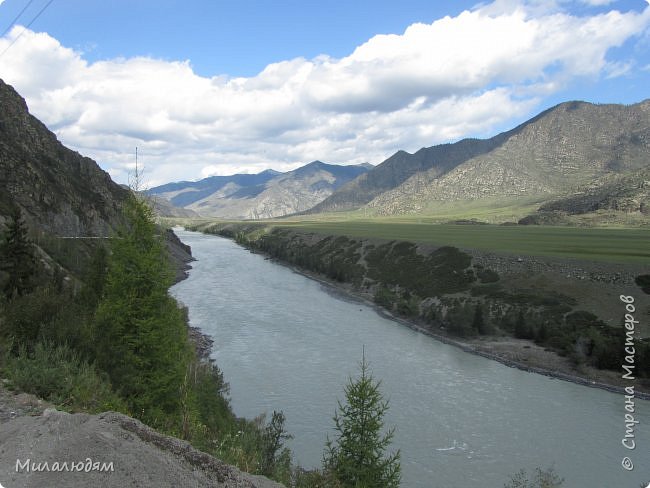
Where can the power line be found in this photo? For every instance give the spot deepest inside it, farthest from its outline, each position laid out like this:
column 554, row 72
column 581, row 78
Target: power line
column 27, row 26
column 17, row 17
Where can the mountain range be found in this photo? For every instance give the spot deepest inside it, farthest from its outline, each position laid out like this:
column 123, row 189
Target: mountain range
column 576, row 157
column 257, row 196
column 575, row 148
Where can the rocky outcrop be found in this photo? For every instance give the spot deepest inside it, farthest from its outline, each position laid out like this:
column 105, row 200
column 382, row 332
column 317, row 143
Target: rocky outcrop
column 131, row 453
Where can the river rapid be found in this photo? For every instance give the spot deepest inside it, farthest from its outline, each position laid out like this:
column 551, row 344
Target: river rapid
column 286, row 342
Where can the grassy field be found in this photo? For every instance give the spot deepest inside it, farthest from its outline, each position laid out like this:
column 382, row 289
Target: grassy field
column 600, row 244
column 609, row 244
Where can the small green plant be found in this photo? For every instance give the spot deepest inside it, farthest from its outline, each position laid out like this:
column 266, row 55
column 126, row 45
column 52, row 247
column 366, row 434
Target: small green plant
column 541, row 478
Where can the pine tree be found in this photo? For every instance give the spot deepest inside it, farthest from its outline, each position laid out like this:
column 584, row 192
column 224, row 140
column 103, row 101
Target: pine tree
column 357, row 458
column 141, row 337
column 17, row 257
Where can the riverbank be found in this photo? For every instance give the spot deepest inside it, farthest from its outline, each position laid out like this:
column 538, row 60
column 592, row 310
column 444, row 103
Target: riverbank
column 522, row 354
column 532, row 358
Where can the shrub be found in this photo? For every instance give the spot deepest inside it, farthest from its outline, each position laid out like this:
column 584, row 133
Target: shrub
column 487, row 276
column 58, row 375
column 644, row 282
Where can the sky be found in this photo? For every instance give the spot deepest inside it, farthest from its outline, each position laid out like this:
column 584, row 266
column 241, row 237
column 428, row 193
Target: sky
column 213, row 87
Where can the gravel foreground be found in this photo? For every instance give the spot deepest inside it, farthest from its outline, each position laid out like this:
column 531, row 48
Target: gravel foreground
column 84, row 446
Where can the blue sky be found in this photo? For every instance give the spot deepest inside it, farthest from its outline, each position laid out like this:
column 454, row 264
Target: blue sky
column 213, row 87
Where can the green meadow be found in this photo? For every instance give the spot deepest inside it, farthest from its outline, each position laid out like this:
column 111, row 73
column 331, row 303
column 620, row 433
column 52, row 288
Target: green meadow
column 602, row 244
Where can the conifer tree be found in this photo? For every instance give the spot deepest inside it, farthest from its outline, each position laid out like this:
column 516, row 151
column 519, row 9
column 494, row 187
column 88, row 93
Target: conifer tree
column 141, row 337
column 357, row 458
column 17, row 257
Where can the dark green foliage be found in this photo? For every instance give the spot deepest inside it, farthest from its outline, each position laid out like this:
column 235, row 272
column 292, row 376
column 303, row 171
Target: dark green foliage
column 357, row 456
column 478, row 323
column 643, row 358
column 29, row 317
column 487, row 276
column 273, row 450
column 442, row 271
column 547, row 478
column 492, row 290
column 523, row 330
column 581, row 319
column 95, row 276
column 541, row 336
column 335, row 257
column 409, row 306
column 385, row 297
column 17, row 257
column 644, row 282
column 58, row 374
column 302, row 478
column 209, row 400
column 459, row 318
column 140, row 332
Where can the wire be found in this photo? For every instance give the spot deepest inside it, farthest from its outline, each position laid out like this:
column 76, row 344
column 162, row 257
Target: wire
column 17, row 17
column 26, row 27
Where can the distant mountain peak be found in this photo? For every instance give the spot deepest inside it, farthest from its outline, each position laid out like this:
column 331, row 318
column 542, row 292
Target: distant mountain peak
column 263, row 195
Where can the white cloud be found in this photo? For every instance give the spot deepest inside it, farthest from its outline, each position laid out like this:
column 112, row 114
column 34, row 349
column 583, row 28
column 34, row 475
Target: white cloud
column 597, row 3
column 434, row 83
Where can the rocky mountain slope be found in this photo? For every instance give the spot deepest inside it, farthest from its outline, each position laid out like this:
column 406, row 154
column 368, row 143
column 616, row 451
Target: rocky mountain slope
column 438, row 160
column 264, row 195
column 629, row 192
column 164, row 208
column 556, row 154
column 60, row 191
column 139, row 456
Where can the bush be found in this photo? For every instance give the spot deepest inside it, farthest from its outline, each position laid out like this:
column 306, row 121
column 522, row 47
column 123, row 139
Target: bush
column 58, row 375
column 540, row 479
column 644, row 282
column 487, row 276
column 385, row 297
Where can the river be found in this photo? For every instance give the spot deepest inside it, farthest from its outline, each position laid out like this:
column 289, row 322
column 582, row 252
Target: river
column 286, row 342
